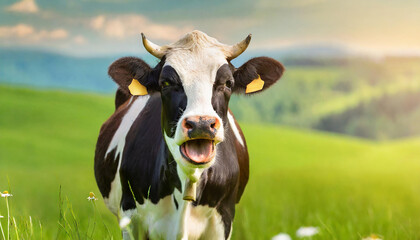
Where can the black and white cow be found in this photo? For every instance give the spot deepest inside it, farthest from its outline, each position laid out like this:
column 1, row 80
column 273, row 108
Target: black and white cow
column 172, row 164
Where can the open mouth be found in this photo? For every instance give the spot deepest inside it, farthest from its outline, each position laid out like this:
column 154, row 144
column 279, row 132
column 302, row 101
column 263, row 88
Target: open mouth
column 198, row 151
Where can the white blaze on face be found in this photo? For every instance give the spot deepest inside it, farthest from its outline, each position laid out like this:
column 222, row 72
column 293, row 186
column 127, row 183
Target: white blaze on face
column 197, row 69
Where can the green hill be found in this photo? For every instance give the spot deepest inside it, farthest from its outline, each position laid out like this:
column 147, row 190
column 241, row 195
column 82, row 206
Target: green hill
column 349, row 188
column 359, row 97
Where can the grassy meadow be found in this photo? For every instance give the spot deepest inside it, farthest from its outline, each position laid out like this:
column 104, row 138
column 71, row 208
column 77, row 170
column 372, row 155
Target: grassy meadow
column 349, row 188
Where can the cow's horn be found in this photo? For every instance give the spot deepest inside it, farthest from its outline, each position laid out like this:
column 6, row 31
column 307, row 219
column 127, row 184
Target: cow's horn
column 239, row 48
column 152, row 48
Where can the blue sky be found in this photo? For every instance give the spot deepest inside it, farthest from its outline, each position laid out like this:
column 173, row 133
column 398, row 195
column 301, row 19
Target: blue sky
column 105, row 27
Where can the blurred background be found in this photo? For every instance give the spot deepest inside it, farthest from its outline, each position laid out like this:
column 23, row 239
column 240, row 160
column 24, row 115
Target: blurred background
column 335, row 144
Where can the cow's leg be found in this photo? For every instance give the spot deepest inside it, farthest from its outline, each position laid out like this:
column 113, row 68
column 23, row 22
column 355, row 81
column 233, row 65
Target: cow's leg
column 200, row 222
column 216, row 228
column 182, row 230
column 129, row 219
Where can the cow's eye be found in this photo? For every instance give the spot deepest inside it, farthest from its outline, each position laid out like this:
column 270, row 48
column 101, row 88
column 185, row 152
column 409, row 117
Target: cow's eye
column 166, row 84
column 229, row 84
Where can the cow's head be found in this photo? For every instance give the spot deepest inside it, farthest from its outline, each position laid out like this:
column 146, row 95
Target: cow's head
column 195, row 80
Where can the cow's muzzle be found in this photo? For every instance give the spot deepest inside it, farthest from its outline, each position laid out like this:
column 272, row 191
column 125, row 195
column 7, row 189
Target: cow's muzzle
column 201, row 127
column 201, row 132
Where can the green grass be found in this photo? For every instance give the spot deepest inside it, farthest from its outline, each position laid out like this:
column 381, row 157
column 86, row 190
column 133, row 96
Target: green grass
column 350, row 188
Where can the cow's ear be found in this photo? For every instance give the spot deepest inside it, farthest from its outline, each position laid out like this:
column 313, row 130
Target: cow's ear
column 133, row 76
column 257, row 75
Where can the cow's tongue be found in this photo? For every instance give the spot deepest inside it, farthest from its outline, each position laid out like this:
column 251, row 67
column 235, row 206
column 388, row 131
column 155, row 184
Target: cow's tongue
column 199, row 150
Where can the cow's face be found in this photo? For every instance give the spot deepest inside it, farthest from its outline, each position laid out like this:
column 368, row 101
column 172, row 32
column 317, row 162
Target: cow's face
column 195, row 98
column 195, row 80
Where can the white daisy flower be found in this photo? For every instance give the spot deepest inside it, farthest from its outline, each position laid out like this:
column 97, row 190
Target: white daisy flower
column 307, row 231
column 124, row 222
column 92, row 197
column 372, row 237
column 6, row 194
column 281, row 236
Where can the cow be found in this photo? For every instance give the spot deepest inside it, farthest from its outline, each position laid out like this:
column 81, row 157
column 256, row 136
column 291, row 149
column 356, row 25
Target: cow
column 172, row 162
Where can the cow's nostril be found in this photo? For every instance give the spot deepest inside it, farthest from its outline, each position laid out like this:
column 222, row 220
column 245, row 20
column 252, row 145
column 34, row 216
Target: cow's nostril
column 215, row 124
column 188, row 125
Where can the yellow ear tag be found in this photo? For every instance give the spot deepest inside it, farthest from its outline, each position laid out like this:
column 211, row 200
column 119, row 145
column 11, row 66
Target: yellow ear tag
column 256, row 85
column 136, row 88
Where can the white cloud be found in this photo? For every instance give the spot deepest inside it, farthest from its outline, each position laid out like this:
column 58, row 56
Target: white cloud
column 79, row 39
column 287, row 4
column 54, row 34
column 274, row 43
column 98, row 22
column 28, row 33
column 24, row 6
column 124, row 26
column 18, row 31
